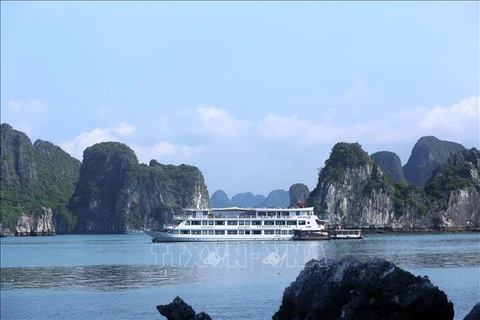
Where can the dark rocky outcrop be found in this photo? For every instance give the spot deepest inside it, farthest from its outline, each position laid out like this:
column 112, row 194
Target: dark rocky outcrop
column 115, row 193
column 298, row 192
column 455, row 190
column 390, row 164
column 277, row 199
column 38, row 222
column 352, row 190
column 350, row 289
column 33, row 177
column 474, row 314
column 220, row 199
column 179, row 310
column 427, row 154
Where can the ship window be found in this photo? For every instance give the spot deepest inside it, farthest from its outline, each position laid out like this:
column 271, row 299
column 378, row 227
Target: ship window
column 241, row 223
column 308, row 222
column 184, row 231
column 204, row 232
column 291, row 223
column 262, row 214
column 256, row 223
column 301, row 222
column 219, row 231
column 268, row 232
column 280, row 223
column 210, row 223
column 232, row 232
column 205, row 213
column 204, row 223
column 196, row 232
column 247, row 223
column 284, row 231
column 277, row 231
column 256, row 231
column 290, row 231
column 175, row 232
column 195, row 223
column 210, row 232
column 247, row 232
column 271, row 214
column 219, row 222
column 232, row 223
column 268, row 223
column 241, row 232
column 187, row 223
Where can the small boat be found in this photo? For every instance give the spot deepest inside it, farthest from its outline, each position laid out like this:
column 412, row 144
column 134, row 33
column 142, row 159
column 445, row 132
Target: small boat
column 311, row 235
column 321, row 233
column 347, row 234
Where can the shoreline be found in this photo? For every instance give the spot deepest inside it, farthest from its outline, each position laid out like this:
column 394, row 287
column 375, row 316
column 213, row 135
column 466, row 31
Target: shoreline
column 389, row 231
column 365, row 231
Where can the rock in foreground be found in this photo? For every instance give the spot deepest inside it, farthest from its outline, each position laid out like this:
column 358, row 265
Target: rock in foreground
column 179, row 310
column 474, row 314
column 349, row 289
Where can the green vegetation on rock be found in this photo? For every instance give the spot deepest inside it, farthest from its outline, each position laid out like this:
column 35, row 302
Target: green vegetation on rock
column 390, row 164
column 115, row 193
column 345, row 155
column 427, row 155
column 35, row 176
column 453, row 175
column 298, row 192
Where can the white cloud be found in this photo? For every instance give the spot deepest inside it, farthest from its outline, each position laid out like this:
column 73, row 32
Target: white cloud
column 459, row 121
column 123, row 129
column 25, row 115
column 78, row 144
column 165, row 152
column 220, row 122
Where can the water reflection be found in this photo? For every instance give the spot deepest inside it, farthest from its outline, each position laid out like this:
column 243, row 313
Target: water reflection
column 93, row 278
column 197, row 263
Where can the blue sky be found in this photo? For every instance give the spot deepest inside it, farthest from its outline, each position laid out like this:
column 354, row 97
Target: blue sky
column 253, row 93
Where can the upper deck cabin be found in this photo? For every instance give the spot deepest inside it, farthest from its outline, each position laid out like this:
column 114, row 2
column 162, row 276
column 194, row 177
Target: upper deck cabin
column 256, row 213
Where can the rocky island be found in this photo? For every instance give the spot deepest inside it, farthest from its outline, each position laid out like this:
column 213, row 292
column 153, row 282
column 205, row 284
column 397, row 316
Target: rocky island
column 45, row 191
column 111, row 192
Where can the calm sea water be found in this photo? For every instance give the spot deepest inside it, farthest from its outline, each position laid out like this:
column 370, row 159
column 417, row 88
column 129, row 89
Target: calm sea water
column 126, row 276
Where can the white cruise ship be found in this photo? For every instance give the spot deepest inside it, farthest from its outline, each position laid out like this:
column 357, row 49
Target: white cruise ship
column 239, row 224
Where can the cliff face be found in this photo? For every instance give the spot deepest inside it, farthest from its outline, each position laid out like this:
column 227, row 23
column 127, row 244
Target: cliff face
column 115, row 193
column 34, row 176
column 427, row 154
column 37, row 223
column 390, row 164
column 352, row 191
column 17, row 159
column 456, row 190
column 298, row 192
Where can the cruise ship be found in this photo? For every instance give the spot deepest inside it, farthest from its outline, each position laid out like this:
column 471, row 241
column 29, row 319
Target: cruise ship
column 240, row 224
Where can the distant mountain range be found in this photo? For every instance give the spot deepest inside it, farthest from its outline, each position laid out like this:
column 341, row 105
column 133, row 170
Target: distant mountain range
column 276, row 198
